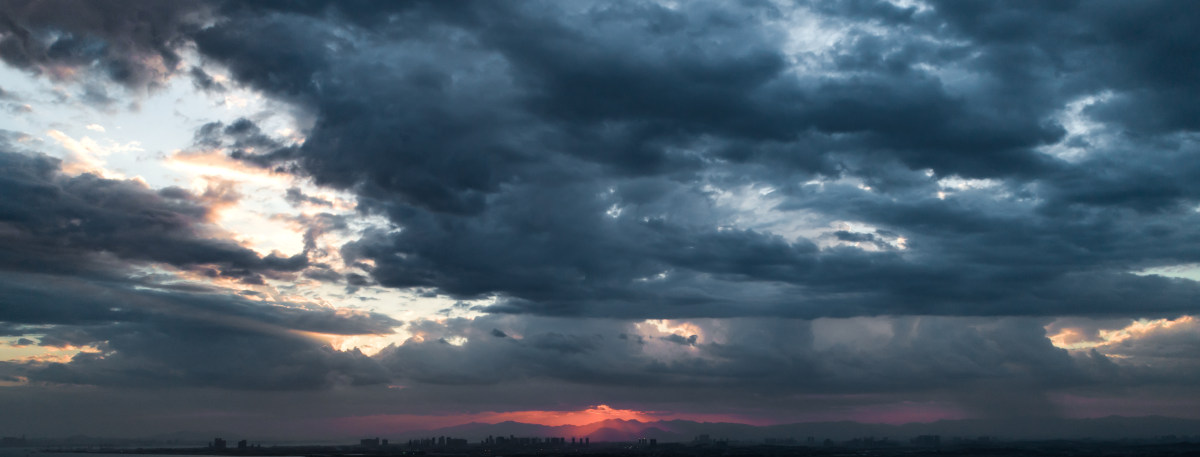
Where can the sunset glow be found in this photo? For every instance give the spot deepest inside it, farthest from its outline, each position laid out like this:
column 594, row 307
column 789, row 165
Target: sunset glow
column 583, row 422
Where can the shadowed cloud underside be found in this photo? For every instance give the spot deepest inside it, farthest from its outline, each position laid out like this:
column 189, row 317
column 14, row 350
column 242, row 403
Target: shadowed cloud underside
column 306, row 216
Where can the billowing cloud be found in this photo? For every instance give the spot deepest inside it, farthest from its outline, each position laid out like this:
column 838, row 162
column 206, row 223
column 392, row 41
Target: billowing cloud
column 579, row 177
column 557, row 156
column 135, row 44
column 89, row 262
column 974, row 205
column 54, row 221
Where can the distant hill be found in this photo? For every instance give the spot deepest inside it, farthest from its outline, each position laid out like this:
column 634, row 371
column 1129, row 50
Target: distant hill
column 1113, row 427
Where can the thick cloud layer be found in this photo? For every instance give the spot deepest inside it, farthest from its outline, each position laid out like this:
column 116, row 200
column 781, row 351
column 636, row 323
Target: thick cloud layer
column 942, row 182
column 133, row 43
column 566, row 158
column 55, row 222
column 78, row 269
column 556, row 156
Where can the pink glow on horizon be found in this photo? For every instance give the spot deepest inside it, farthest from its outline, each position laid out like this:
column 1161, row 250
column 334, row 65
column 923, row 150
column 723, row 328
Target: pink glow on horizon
column 588, row 420
column 579, row 418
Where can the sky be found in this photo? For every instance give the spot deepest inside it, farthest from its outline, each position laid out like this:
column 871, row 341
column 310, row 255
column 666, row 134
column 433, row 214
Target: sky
column 311, row 218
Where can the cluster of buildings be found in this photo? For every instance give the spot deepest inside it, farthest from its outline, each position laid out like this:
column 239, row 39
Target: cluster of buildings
column 218, row 443
column 490, row 441
column 441, row 441
column 520, row 441
column 372, row 442
column 497, row 441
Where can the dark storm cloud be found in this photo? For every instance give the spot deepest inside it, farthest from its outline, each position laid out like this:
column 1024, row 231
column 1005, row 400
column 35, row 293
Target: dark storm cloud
column 55, row 222
column 238, row 137
column 71, row 275
column 163, row 338
column 985, row 367
column 503, row 137
column 1142, row 52
column 152, row 335
column 176, row 339
column 634, row 160
column 133, row 43
column 296, row 197
column 741, row 362
column 10, row 139
column 188, row 353
column 38, row 299
column 203, row 81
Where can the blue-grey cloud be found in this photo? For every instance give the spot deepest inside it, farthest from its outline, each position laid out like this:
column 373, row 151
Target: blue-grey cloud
column 71, row 253
column 498, row 136
column 508, row 132
column 1002, row 163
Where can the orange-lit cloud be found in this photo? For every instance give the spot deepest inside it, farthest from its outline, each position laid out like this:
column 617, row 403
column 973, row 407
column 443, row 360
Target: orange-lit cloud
column 1143, row 328
column 32, row 353
column 218, row 194
column 1077, row 339
column 214, row 162
column 553, row 418
column 87, row 155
